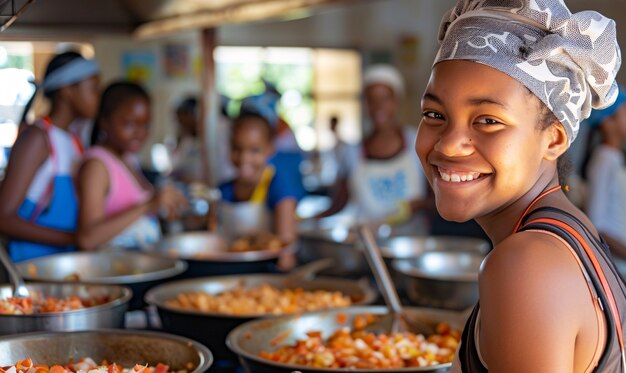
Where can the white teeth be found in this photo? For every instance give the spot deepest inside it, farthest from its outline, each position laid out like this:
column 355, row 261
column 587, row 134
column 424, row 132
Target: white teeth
column 457, row 178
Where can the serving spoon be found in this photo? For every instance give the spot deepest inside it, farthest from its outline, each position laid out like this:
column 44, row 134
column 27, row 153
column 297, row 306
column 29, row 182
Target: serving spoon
column 400, row 322
column 17, row 283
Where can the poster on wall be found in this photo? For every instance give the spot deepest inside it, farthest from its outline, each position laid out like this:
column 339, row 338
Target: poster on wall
column 139, row 67
column 176, row 61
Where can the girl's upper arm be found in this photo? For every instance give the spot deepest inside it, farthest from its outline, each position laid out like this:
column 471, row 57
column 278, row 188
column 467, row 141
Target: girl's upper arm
column 531, row 297
column 28, row 154
column 93, row 184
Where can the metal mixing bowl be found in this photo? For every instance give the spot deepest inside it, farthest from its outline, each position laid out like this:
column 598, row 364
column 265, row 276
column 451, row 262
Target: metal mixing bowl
column 443, row 279
column 139, row 271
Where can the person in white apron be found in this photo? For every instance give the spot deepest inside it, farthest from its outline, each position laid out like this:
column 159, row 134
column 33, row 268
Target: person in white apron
column 261, row 198
column 381, row 180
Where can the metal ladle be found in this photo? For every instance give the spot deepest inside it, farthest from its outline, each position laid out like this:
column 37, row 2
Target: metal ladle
column 399, row 322
column 17, row 283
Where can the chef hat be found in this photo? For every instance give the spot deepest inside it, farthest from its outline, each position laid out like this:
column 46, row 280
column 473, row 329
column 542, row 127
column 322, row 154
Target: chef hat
column 569, row 61
column 386, row 75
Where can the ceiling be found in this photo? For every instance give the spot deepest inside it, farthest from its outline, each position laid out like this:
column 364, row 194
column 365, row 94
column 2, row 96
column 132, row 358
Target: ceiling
column 147, row 18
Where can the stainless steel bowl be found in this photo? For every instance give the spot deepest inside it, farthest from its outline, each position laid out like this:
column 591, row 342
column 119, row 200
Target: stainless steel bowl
column 208, row 254
column 140, row 271
column 108, row 315
column 253, row 337
column 405, row 247
column 123, row 347
column 443, row 279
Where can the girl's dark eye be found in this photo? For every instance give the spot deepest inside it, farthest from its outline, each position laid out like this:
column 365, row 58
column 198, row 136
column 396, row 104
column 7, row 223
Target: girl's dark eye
column 432, row 115
column 488, row 121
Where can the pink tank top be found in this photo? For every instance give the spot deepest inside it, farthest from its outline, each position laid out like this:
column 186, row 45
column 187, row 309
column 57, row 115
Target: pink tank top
column 124, row 189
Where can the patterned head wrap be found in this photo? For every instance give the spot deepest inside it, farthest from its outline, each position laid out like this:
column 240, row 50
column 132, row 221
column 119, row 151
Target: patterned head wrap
column 569, row 61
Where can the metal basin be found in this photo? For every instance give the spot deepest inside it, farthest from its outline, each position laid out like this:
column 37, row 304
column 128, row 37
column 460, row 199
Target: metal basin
column 443, row 279
column 123, row 347
column 407, row 247
column 339, row 243
column 195, row 324
column 108, row 315
column 208, row 254
column 139, row 271
column 253, row 337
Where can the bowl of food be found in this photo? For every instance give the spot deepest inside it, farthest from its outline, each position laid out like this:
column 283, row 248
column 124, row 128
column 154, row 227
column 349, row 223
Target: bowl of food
column 63, row 307
column 341, row 341
column 213, row 254
column 220, row 303
column 103, row 350
column 443, row 279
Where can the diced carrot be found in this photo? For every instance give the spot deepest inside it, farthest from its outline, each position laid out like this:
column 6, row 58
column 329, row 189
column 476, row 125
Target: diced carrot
column 57, row 369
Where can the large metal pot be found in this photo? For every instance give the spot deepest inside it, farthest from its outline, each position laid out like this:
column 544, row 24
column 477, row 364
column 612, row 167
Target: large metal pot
column 122, row 347
column 253, row 337
column 108, row 315
column 320, row 240
column 408, row 247
column 196, row 325
column 443, row 279
column 137, row 270
column 208, row 255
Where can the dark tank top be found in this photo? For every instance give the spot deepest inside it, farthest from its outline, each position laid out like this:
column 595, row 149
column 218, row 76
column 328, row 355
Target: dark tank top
column 572, row 231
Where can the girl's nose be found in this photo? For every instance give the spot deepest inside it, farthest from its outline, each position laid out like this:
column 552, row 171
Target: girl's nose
column 455, row 141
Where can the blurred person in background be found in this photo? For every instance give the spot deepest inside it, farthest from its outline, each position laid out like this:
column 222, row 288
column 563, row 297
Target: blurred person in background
column 378, row 180
column 287, row 156
column 262, row 198
column 118, row 206
column 606, row 174
column 38, row 205
column 187, row 161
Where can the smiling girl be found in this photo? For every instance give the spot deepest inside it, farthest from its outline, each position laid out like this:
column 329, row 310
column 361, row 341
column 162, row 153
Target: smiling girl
column 511, row 83
column 118, row 206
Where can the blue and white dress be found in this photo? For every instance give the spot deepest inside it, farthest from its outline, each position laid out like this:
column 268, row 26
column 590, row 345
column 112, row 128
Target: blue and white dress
column 51, row 200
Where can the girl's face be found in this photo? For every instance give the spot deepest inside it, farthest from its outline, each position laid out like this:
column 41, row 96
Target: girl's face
column 86, row 97
column 479, row 140
column 127, row 128
column 250, row 149
column 382, row 105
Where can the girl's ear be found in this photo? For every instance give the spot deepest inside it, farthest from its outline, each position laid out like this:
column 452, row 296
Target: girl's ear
column 558, row 141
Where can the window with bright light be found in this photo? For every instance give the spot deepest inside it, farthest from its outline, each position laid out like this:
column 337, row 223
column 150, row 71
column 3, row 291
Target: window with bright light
column 315, row 84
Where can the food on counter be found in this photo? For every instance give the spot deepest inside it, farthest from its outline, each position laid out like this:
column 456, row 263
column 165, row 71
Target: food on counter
column 359, row 349
column 263, row 299
column 88, row 365
column 257, row 242
column 37, row 304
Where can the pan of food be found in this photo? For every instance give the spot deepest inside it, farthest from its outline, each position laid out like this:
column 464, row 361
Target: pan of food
column 137, row 270
column 62, row 307
column 211, row 254
column 344, row 340
column 194, row 306
column 103, row 350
